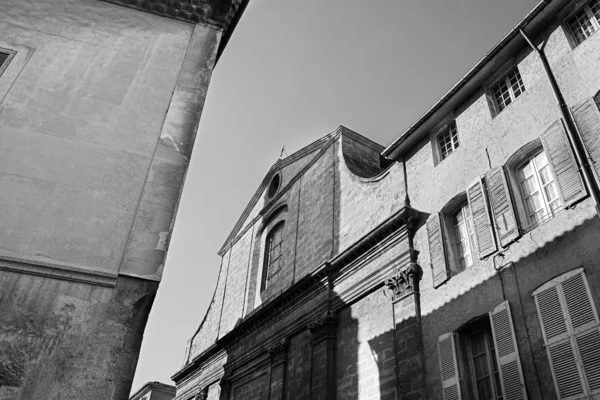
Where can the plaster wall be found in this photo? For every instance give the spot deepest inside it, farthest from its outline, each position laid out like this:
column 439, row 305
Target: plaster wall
column 564, row 243
column 80, row 126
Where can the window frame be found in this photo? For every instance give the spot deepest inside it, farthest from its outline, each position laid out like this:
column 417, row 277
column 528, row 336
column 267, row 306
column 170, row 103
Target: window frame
column 504, row 78
column 461, row 208
column 520, row 204
column 438, row 138
column 464, row 356
column 571, row 36
column 267, row 262
column 5, row 64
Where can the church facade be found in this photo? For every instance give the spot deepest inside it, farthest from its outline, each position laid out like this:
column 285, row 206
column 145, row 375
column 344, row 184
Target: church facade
column 460, row 262
column 99, row 107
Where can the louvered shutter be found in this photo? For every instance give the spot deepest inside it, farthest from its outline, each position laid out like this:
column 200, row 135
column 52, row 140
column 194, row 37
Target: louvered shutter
column 587, row 118
column 484, row 235
column 571, row 333
column 507, row 353
column 437, row 249
column 564, row 366
column 449, row 367
column 584, row 324
column 557, row 147
column 505, row 219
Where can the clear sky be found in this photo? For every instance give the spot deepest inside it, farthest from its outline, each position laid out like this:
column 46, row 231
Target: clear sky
column 292, row 72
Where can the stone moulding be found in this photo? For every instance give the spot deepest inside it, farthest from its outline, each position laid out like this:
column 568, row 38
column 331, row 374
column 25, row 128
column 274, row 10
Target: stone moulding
column 304, row 286
column 58, row 271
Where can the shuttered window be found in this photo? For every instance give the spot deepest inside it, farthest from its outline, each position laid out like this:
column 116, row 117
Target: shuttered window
column 587, row 118
column 505, row 220
column 571, row 334
column 491, row 361
column 273, row 255
column 437, row 250
column 484, row 236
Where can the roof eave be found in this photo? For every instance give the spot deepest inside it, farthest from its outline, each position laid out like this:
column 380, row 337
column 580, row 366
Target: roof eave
column 464, row 87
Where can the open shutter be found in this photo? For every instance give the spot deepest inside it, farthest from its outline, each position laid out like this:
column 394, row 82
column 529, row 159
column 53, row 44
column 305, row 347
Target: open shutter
column 481, row 218
column 563, row 363
column 507, row 353
column 449, row 367
column 587, row 118
column 584, row 323
column 557, row 147
column 505, row 219
column 437, row 250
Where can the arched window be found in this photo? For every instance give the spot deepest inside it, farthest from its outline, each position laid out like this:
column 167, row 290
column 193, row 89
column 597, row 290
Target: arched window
column 537, row 185
column 272, row 261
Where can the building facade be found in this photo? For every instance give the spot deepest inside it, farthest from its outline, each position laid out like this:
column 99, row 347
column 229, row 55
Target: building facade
column 154, row 391
column 99, row 107
column 460, row 262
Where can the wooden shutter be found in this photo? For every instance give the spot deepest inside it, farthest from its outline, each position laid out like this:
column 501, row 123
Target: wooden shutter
column 507, row 353
column 484, row 235
column 449, row 367
column 437, row 249
column 570, row 327
column 503, row 210
column 557, row 147
column 583, row 322
column 565, row 370
column 587, row 118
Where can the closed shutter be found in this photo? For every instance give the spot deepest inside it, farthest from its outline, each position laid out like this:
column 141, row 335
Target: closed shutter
column 437, row 249
column 570, row 327
column 583, row 322
column 505, row 219
column 507, row 353
column 449, row 367
column 557, row 147
column 587, row 118
column 484, row 235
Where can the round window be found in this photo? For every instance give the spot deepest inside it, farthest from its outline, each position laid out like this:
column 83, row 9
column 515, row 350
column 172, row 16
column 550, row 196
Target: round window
column 274, row 185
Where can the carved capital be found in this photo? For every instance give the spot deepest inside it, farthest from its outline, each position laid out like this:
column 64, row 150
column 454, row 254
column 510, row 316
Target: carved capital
column 405, row 281
column 202, row 395
column 278, row 351
column 322, row 328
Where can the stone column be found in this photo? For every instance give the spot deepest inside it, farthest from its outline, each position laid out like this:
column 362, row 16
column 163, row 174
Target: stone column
column 278, row 353
column 410, row 366
column 323, row 343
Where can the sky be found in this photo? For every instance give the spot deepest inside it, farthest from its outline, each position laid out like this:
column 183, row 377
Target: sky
column 292, row 72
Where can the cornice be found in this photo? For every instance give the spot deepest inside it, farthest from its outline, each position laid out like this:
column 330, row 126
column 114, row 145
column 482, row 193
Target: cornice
column 316, row 281
column 61, row 271
column 221, row 14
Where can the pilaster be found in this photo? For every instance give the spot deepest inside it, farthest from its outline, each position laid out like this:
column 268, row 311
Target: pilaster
column 278, row 353
column 323, row 343
column 404, row 290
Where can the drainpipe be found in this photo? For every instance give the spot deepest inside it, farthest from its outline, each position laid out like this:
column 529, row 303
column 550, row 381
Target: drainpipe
column 572, row 132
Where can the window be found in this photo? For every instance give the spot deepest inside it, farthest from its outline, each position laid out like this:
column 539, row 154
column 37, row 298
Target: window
column 507, row 90
column 585, row 21
column 5, row 57
column 273, row 256
column 448, row 141
column 571, row 334
column 464, row 239
column 480, row 361
column 539, row 191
